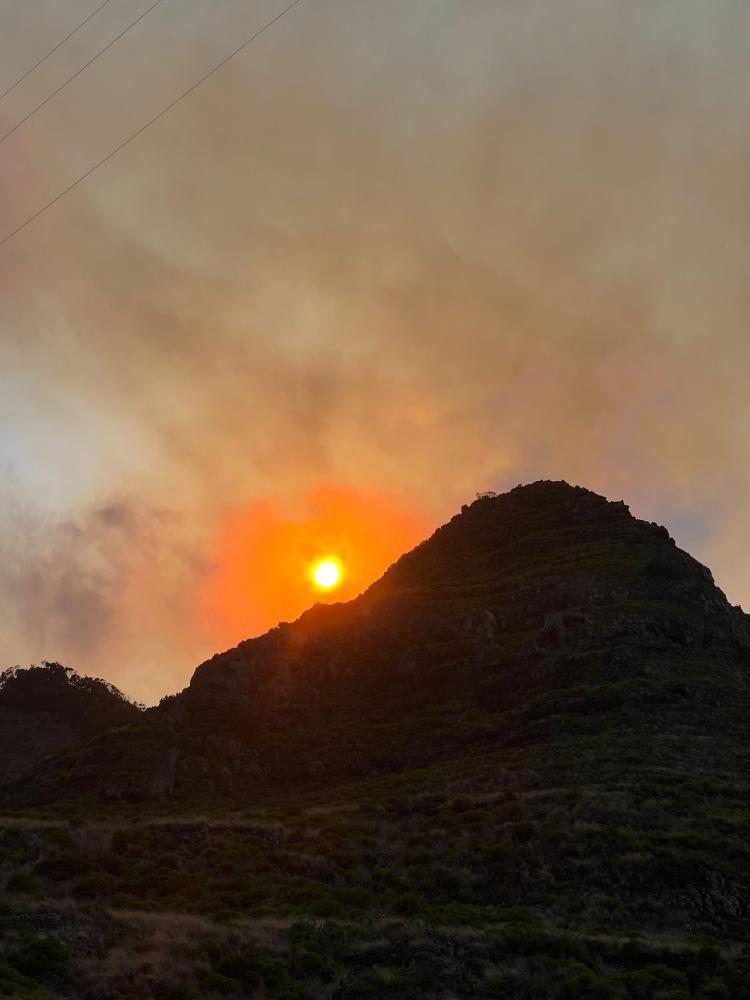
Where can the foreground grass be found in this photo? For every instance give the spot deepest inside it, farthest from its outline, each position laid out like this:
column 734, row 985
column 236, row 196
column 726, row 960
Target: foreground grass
column 174, row 955
column 475, row 878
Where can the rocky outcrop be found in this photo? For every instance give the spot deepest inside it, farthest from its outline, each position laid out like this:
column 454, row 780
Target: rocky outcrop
column 165, row 771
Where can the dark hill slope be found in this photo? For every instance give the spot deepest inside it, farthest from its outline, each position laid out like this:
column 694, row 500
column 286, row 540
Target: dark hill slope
column 544, row 617
column 44, row 709
column 516, row 768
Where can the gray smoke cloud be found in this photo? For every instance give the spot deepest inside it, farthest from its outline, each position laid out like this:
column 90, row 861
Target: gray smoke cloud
column 429, row 248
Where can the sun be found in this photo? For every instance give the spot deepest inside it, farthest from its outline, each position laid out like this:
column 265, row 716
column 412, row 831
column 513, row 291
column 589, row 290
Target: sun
column 326, row 574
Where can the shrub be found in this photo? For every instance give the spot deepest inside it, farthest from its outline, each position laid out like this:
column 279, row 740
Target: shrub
column 407, row 904
column 215, row 982
column 294, row 991
column 23, row 882
column 45, row 958
column 227, row 916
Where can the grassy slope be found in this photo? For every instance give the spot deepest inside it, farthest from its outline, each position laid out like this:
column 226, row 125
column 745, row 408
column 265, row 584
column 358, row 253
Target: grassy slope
column 474, row 878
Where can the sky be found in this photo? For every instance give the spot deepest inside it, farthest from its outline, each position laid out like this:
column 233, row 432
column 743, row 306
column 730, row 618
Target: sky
column 392, row 255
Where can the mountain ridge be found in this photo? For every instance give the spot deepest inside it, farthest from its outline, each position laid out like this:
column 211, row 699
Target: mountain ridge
column 516, row 768
column 512, row 597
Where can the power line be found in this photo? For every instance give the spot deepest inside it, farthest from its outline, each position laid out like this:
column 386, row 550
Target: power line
column 53, row 50
column 79, row 71
column 149, row 123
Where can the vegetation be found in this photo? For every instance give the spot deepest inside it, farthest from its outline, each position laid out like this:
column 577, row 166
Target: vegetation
column 516, row 768
column 431, row 884
column 88, row 703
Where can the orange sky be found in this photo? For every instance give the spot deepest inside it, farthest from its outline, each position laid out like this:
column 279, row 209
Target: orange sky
column 264, row 555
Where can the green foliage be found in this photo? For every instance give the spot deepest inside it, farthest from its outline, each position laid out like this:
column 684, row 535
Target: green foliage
column 89, row 704
column 215, row 982
column 15, row 986
column 42, row 958
column 23, row 882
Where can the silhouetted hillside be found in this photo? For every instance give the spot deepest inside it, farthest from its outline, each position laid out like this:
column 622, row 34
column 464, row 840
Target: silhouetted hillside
column 46, row 708
column 518, row 766
column 544, row 614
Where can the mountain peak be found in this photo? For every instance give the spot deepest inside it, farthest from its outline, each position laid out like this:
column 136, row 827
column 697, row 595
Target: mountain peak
column 527, row 611
column 543, row 505
column 525, row 530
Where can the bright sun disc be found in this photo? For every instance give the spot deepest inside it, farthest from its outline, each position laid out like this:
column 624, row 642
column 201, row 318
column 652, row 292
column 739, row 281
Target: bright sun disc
column 327, row 573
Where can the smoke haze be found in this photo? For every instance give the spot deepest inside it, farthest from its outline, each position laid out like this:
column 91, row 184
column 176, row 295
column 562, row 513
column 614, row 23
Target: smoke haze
column 408, row 251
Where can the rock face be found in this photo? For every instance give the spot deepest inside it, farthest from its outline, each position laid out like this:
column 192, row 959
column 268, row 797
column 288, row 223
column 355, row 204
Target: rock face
column 543, row 615
column 45, row 709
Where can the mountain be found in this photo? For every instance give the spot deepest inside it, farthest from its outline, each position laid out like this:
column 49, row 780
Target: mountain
column 46, row 708
column 546, row 614
column 517, row 766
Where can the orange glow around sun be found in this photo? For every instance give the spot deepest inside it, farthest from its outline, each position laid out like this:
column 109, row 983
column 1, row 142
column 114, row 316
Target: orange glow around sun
column 271, row 563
